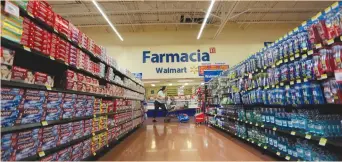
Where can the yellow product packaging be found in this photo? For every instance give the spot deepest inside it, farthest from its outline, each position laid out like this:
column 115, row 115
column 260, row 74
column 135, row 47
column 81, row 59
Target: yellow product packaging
column 21, row 3
column 11, row 28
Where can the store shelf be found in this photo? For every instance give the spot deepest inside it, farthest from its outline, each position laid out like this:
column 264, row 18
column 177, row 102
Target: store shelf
column 260, row 146
column 40, row 87
column 335, row 142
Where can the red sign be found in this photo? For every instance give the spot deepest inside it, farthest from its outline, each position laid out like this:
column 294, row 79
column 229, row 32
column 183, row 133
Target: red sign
column 211, row 67
column 212, row 50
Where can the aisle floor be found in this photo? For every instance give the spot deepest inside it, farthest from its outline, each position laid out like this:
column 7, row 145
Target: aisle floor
column 182, row 142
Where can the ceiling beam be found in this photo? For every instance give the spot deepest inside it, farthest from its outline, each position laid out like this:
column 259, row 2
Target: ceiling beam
column 223, row 23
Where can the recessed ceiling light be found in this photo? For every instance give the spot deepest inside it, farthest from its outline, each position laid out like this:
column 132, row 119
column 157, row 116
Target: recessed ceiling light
column 170, row 84
column 107, row 19
column 153, row 85
column 184, row 81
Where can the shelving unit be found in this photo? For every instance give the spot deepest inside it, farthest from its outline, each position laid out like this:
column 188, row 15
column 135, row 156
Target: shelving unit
column 107, row 130
column 256, row 103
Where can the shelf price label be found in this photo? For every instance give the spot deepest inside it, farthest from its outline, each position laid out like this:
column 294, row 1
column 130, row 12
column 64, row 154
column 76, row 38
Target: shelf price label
column 322, row 141
column 12, row 9
column 293, row 133
column 274, row 128
column 286, row 60
column 298, row 81
column 48, row 87
column 27, row 48
column 265, row 147
column 278, row 153
column 52, row 58
column 44, row 123
column 94, row 153
column 291, row 82
column 259, row 144
column 308, row 136
column 319, row 45
column 291, row 58
column 262, row 126
column 296, row 55
column 287, row 158
column 250, row 122
column 310, row 52
column 256, row 124
column 41, row 153
column 331, row 41
column 252, row 141
column 304, row 56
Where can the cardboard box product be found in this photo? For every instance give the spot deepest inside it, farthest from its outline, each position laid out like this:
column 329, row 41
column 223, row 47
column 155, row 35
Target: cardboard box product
column 52, row 106
column 7, row 56
column 22, row 75
column 80, row 105
column 68, row 105
column 65, row 154
column 71, row 85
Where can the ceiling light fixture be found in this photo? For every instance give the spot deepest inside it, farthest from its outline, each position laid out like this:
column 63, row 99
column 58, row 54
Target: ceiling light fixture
column 186, row 83
column 202, row 83
column 153, row 85
column 107, row 19
column 151, row 81
column 170, row 84
column 206, row 18
column 183, row 81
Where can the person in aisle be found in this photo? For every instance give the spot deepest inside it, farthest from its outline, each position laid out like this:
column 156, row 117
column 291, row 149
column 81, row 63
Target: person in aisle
column 160, row 103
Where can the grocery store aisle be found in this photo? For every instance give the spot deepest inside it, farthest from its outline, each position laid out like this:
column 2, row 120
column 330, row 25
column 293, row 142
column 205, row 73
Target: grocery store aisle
column 178, row 142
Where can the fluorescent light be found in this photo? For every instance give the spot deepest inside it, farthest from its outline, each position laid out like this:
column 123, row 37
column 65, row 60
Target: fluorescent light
column 202, row 83
column 186, row 83
column 170, row 84
column 206, row 18
column 182, row 81
column 151, row 81
column 153, row 85
column 106, row 18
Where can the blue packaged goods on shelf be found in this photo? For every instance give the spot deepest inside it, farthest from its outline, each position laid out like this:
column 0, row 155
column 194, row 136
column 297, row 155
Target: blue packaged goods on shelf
column 33, row 99
column 80, row 106
column 89, row 106
column 52, row 106
column 68, row 105
column 64, row 155
column 51, row 157
column 78, row 129
column 11, row 98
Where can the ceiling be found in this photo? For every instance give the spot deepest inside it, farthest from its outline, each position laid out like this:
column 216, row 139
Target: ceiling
column 173, row 82
column 136, row 15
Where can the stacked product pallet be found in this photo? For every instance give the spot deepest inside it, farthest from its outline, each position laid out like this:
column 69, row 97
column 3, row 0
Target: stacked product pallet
column 287, row 97
column 63, row 98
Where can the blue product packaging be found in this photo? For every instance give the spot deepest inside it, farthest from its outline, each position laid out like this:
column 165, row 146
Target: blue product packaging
column 9, row 117
column 33, row 99
column 51, row 157
column 24, row 150
column 77, row 148
column 78, row 129
column 52, row 106
column 65, row 137
column 307, row 93
column 48, row 142
column 11, row 98
column 68, row 105
column 89, row 107
column 64, row 155
column 80, row 104
column 310, row 74
column 299, row 95
column 27, row 116
column 318, row 96
column 50, row 130
column 298, row 70
column 292, row 71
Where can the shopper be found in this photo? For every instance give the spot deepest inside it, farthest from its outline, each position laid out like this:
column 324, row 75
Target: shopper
column 160, row 103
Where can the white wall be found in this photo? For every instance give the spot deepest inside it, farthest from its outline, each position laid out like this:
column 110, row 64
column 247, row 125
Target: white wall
column 232, row 46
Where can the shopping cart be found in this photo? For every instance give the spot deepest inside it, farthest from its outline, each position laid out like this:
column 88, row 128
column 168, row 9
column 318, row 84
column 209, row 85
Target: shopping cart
column 173, row 111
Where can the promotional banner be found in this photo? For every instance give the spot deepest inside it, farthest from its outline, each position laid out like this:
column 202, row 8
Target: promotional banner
column 209, row 74
column 201, row 69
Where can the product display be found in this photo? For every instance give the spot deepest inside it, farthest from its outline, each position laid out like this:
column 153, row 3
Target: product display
column 286, row 97
column 58, row 102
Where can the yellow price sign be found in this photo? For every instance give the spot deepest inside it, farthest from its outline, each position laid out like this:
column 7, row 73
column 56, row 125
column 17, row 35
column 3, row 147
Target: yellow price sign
column 52, row 58
column 291, row 58
column 41, row 153
column 298, row 81
column 308, row 136
column 44, row 123
column 295, row 29
column 327, row 10
column 262, row 126
column 27, row 48
column 331, row 41
column 310, row 52
column 278, row 153
column 274, row 128
column 323, row 141
column 287, row 158
column 286, row 60
column 324, row 76
column 304, row 23
column 256, row 124
column 291, row 82
column 48, row 87
column 293, row 133
column 319, row 45
column 265, row 147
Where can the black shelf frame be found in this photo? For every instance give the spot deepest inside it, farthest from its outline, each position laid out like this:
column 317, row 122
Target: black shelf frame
column 261, row 146
column 331, row 142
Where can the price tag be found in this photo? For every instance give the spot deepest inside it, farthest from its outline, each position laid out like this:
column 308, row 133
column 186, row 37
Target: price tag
column 324, row 76
column 304, row 23
column 93, row 134
column 256, row 124
column 319, row 45
column 296, row 55
column 107, row 145
column 291, row 82
column 27, row 48
column 277, row 86
column 248, row 140
column 310, row 52
column 308, row 136
column 287, row 158
column 278, row 153
column 12, row 9
column 298, row 81
column 305, row 80
column 327, row 10
column 323, row 141
column 262, row 126
column 304, row 56
column 44, row 123
column 252, row 141
column 259, row 144
column 41, row 153
column 52, row 58
column 274, row 128
column 48, row 87
column 293, row 133
column 287, row 87
column 291, row 58
column 295, row 29
column 30, row 14
column 265, row 147
column 286, row 60
column 94, row 153
column 333, row 6
column 273, row 66
column 331, row 41
column 243, row 137
column 338, row 75
column 246, row 122
column 250, row 122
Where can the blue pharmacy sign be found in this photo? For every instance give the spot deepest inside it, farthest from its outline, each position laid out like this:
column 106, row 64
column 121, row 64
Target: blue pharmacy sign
column 209, row 74
column 138, row 75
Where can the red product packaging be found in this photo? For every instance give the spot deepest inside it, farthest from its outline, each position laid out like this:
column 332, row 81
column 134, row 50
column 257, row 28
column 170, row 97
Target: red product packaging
column 71, row 85
column 88, row 79
column 81, row 87
column 62, row 25
column 22, row 75
column 40, row 78
column 80, row 77
column 71, row 75
column 89, row 88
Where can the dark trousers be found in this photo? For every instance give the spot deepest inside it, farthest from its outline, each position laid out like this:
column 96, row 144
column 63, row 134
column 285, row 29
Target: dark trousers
column 158, row 105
